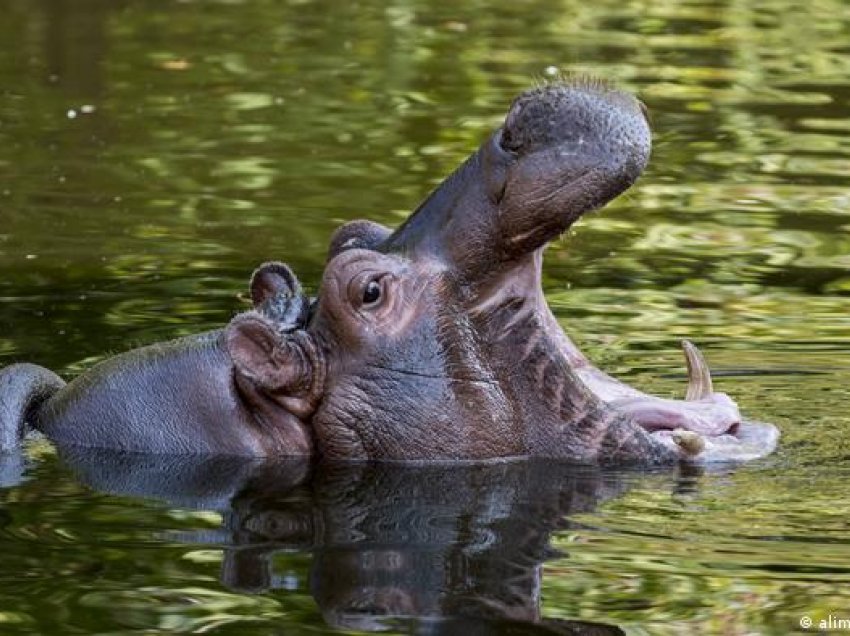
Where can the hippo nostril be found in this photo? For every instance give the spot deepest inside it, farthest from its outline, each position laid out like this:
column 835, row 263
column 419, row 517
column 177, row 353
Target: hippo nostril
column 507, row 141
column 645, row 112
column 504, row 142
column 505, row 133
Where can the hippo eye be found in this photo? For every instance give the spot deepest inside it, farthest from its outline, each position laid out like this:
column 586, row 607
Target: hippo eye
column 367, row 291
column 372, row 292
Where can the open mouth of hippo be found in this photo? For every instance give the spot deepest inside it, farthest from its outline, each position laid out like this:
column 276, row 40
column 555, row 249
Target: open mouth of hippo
column 408, row 318
column 571, row 148
column 707, row 425
column 547, row 122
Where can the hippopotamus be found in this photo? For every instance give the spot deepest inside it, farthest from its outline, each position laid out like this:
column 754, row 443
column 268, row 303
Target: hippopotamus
column 430, row 342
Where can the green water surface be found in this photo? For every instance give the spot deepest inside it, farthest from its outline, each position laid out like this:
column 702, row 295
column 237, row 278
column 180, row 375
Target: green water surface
column 152, row 152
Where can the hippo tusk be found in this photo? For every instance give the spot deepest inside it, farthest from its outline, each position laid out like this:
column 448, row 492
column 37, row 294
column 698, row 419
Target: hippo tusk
column 699, row 376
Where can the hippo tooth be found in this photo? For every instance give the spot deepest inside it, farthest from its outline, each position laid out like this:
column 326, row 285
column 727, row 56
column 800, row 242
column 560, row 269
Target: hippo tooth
column 699, row 376
column 690, row 442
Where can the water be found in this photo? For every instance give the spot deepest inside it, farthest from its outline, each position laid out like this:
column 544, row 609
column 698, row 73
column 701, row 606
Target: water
column 152, row 153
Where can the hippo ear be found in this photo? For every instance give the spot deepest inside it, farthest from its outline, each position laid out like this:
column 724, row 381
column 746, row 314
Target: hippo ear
column 271, row 280
column 281, row 364
column 364, row 235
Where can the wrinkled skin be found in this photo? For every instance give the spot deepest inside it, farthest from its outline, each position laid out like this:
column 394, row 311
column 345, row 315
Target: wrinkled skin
column 432, row 342
column 438, row 343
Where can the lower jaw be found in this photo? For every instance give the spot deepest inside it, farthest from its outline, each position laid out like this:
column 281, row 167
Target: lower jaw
column 750, row 440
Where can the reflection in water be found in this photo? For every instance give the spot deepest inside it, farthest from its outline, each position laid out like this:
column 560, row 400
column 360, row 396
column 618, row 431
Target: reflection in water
column 12, row 466
column 458, row 547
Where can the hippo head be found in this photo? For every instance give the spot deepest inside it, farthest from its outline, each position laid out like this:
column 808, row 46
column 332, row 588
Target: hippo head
column 434, row 342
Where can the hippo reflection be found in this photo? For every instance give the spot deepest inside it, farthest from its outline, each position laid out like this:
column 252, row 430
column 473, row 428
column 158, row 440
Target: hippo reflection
column 430, row 342
column 456, row 547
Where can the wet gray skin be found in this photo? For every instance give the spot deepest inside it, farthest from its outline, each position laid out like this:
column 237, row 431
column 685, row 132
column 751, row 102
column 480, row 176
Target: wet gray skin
column 435, row 342
column 174, row 397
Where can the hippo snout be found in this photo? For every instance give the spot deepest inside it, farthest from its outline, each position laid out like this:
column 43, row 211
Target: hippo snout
column 587, row 117
column 575, row 147
column 563, row 150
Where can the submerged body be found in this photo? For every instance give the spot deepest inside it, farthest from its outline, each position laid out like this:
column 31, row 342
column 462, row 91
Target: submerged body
column 177, row 396
column 430, row 342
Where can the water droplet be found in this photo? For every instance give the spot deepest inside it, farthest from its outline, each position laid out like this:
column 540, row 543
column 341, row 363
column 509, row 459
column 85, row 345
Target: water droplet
column 456, row 26
column 551, row 71
column 87, row 109
column 175, row 65
column 72, row 114
column 32, row 257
